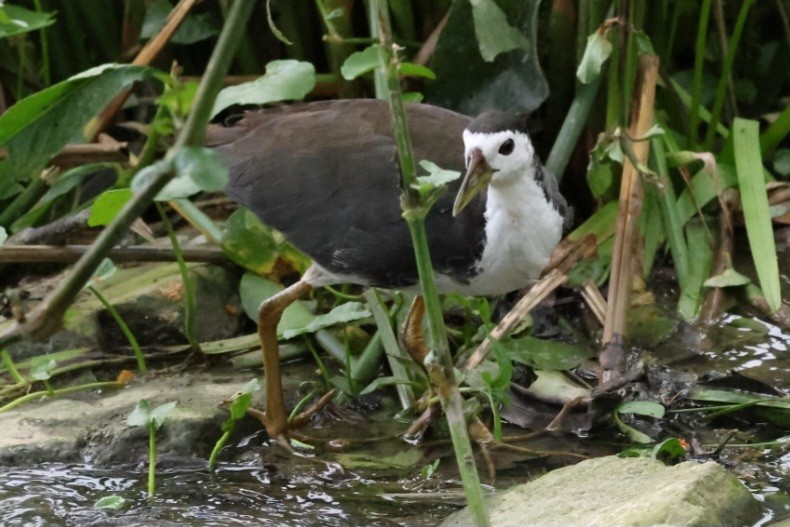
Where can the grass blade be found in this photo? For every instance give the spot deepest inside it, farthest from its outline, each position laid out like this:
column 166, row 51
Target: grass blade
column 749, row 167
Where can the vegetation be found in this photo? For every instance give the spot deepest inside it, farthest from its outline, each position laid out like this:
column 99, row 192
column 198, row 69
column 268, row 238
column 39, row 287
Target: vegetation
column 666, row 122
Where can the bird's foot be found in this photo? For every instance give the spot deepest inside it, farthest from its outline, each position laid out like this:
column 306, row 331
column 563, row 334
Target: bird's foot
column 278, row 425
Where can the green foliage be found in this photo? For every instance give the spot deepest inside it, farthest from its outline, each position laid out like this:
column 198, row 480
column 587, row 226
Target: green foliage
column 493, row 32
column 595, row 55
column 36, row 128
column 143, row 415
column 112, row 502
column 108, row 205
column 285, row 80
column 193, row 29
column 15, row 20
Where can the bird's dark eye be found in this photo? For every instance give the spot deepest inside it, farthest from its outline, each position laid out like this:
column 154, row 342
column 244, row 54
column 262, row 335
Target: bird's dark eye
column 507, row 147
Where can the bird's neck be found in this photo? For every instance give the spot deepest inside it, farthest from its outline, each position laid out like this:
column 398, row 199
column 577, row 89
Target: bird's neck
column 522, row 226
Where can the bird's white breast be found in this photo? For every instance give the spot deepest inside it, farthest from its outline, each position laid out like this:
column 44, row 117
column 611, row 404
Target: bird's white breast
column 522, row 229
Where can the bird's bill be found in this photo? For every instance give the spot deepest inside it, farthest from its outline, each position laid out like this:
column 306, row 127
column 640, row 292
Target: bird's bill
column 477, row 177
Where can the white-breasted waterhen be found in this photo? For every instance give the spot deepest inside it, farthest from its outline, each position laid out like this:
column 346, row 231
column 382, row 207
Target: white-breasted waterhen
column 326, row 175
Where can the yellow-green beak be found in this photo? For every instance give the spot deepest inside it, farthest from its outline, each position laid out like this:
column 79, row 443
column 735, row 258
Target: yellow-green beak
column 477, row 177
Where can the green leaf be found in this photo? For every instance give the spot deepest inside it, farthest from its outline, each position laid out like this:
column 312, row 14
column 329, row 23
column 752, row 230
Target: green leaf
column 193, row 28
column 437, row 176
column 545, row 354
column 669, row 450
column 18, row 20
column 159, row 414
column 238, row 408
column 37, row 127
column 251, row 386
column 729, row 278
column 494, row 34
column 105, row 270
column 595, row 55
column 255, row 289
column 68, row 180
column 250, row 243
column 409, row 69
column 112, row 502
column 343, row 313
column 554, row 385
column 465, row 82
column 387, row 380
column 197, row 167
column 360, row 62
column 647, row 408
column 141, row 415
column 41, row 368
column 285, row 80
column 700, row 261
column 749, row 167
column 108, row 205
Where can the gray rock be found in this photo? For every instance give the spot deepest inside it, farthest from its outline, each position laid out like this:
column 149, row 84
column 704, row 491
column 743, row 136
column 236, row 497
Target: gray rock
column 91, row 427
column 612, row 491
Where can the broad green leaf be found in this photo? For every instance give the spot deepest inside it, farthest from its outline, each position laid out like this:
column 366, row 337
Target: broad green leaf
column 494, row 33
column 193, row 28
column 41, row 369
column 285, row 80
column 238, row 408
column 68, row 180
column 37, row 127
column 250, row 243
column 595, row 55
column 545, row 354
column 729, row 278
column 465, row 82
column 255, row 290
column 108, row 205
column 700, row 261
column 669, row 450
column 253, row 385
column 105, row 270
column 19, row 20
column 343, row 313
column 409, row 69
column 360, row 62
column 703, row 190
column 754, row 198
column 112, row 502
column 437, row 176
column 633, row 434
column 197, row 169
column 648, row 408
column 141, row 415
column 159, row 414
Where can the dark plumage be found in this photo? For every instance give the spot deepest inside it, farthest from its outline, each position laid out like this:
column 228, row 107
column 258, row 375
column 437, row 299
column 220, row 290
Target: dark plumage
column 305, row 170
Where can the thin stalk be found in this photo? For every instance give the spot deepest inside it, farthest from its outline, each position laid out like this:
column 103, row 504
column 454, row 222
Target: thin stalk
column 212, row 459
column 138, row 352
column 151, row 459
column 439, row 363
column 189, row 290
column 699, row 61
column 721, row 88
column 776, row 132
column 45, row 71
column 572, row 127
column 8, row 362
column 23, row 202
column 667, row 201
column 390, row 342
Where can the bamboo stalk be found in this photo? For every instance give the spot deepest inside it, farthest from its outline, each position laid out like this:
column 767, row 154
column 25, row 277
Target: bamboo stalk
column 439, row 363
column 628, row 216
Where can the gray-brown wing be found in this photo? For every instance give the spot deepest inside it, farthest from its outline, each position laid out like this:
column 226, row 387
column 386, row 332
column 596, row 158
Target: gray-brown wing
column 326, row 175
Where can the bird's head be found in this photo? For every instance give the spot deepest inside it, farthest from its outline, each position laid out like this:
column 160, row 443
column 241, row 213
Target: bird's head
column 497, row 150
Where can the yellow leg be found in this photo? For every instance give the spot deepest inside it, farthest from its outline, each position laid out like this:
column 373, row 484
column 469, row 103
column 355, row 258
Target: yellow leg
column 276, row 418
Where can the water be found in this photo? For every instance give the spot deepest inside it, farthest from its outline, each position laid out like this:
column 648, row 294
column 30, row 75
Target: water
column 65, row 495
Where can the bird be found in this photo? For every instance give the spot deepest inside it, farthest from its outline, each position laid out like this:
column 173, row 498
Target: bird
column 326, row 175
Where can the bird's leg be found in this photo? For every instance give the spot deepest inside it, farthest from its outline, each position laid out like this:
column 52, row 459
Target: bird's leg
column 276, row 418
